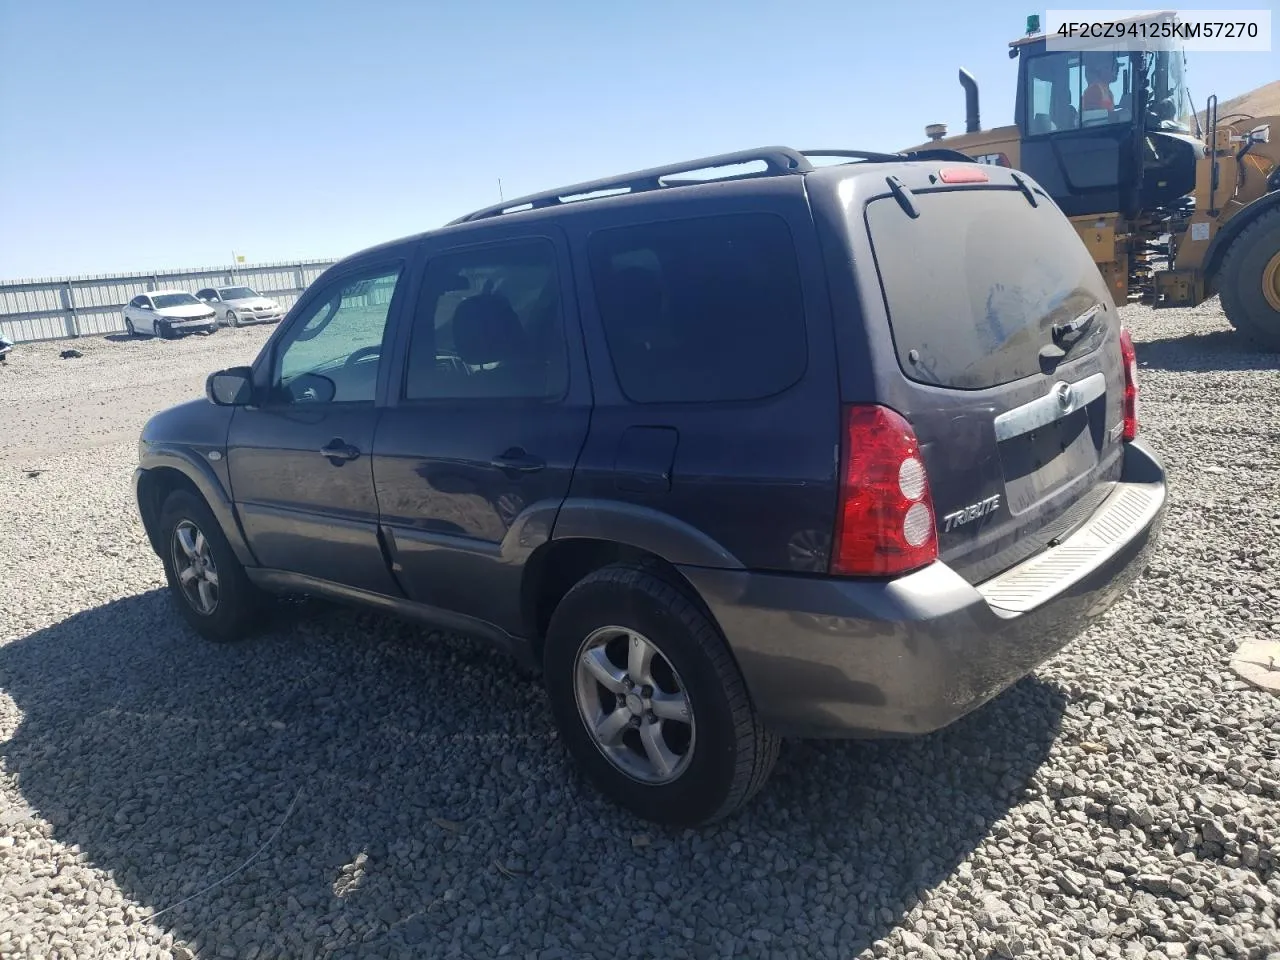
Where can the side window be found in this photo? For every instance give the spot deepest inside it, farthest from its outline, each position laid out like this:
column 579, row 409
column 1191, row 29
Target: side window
column 701, row 310
column 331, row 355
column 206, row 295
column 1055, row 93
column 144, row 302
column 489, row 324
column 1041, row 101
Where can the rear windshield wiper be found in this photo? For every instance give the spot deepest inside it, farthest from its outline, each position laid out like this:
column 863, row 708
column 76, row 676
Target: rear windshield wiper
column 1066, row 334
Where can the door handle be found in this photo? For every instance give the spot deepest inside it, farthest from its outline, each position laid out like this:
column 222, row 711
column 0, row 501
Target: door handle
column 516, row 460
column 338, row 449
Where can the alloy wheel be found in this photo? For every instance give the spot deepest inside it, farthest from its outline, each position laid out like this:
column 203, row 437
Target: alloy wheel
column 634, row 705
column 195, row 568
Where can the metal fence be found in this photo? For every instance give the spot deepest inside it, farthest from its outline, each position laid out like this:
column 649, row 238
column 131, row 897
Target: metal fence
column 63, row 307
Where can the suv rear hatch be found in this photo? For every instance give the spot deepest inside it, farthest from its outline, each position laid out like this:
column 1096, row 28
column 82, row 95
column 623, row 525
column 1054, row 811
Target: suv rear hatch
column 1003, row 354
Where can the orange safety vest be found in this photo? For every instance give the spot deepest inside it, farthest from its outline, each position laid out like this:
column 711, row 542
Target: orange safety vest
column 1097, row 97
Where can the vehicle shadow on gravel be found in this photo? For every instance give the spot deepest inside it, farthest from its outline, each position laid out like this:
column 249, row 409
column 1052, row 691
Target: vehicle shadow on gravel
column 413, row 799
column 1218, row 350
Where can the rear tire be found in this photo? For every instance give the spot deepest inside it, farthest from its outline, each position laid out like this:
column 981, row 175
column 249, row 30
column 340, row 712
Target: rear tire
column 193, row 546
column 727, row 753
column 1249, row 282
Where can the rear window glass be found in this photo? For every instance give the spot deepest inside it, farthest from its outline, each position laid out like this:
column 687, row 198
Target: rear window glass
column 974, row 285
column 701, row 310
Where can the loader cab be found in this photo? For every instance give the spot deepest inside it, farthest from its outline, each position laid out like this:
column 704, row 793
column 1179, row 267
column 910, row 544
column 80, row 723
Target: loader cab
column 1105, row 130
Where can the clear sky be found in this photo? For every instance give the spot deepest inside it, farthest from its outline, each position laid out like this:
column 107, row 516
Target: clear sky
column 142, row 135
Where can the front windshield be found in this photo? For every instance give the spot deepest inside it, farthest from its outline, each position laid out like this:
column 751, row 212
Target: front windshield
column 236, row 293
column 163, row 300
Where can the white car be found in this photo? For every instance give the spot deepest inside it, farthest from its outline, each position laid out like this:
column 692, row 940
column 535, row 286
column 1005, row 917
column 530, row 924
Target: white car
column 237, row 305
column 166, row 313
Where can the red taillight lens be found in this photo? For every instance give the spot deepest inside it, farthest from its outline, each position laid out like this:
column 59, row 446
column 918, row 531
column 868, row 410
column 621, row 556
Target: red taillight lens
column 1130, row 357
column 885, row 520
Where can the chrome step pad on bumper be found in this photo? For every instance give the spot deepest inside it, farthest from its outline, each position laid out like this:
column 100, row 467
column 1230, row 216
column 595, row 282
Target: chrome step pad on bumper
column 1117, row 521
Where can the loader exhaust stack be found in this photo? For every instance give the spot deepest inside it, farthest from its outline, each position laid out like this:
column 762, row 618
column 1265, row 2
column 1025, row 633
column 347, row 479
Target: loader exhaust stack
column 972, row 123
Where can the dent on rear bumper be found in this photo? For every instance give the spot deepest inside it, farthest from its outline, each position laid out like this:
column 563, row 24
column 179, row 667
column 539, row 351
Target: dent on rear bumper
column 826, row 657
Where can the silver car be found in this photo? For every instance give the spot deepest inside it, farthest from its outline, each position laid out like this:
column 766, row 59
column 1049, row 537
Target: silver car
column 240, row 305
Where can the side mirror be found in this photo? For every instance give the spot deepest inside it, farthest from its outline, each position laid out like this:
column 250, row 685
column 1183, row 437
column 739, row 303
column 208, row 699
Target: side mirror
column 230, row 388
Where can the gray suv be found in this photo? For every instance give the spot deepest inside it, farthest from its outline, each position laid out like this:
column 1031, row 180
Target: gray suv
column 760, row 445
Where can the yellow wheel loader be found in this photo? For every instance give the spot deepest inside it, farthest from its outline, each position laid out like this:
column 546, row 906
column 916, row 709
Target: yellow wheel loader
column 1172, row 209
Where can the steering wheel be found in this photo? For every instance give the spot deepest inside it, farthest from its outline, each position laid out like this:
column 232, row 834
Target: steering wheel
column 363, row 353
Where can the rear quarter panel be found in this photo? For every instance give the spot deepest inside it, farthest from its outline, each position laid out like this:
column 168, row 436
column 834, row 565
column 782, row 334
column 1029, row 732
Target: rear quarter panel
column 756, row 477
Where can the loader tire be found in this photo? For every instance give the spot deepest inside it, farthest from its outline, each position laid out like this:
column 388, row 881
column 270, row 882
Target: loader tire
column 1249, row 282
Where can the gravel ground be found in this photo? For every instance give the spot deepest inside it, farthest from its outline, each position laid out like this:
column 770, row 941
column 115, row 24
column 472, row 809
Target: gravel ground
column 395, row 797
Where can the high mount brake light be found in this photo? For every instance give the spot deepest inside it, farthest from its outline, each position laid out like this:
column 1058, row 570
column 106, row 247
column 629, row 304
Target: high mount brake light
column 885, row 520
column 970, row 174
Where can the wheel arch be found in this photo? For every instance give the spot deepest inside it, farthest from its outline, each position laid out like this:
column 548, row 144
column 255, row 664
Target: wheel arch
column 169, row 469
column 590, row 533
column 1221, row 243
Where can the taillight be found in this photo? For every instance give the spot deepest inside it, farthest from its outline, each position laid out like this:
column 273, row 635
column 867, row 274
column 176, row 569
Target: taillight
column 885, row 521
column 1130, row 358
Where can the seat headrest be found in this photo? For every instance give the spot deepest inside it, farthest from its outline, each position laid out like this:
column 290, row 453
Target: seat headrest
column 487, row 330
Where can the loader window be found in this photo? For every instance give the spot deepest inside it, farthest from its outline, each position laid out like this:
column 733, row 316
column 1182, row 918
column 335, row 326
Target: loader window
column 1072, row 90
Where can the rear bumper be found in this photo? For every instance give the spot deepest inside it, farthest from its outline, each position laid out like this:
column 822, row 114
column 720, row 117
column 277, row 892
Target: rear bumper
column 830, row 658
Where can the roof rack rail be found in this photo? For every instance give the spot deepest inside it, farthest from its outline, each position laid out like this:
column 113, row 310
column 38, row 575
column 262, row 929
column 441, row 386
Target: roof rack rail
column 777, row 160
column 871, row 156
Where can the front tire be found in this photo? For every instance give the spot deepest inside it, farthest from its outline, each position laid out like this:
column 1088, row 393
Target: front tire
column 232, row 318
column 1249, row 282
column 650, row 702
column 128, row 327
column 206, row 580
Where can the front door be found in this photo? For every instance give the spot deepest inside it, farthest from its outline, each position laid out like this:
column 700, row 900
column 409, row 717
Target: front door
column 1081, row 129
column 301, row 462
column 476, row 448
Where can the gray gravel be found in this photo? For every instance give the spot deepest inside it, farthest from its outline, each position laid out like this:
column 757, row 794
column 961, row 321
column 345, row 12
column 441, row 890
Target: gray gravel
column 405, row 794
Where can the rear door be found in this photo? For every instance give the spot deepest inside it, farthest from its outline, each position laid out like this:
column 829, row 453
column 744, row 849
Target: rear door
column 144, row 316
column 475, row 452
column 1003, row 351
